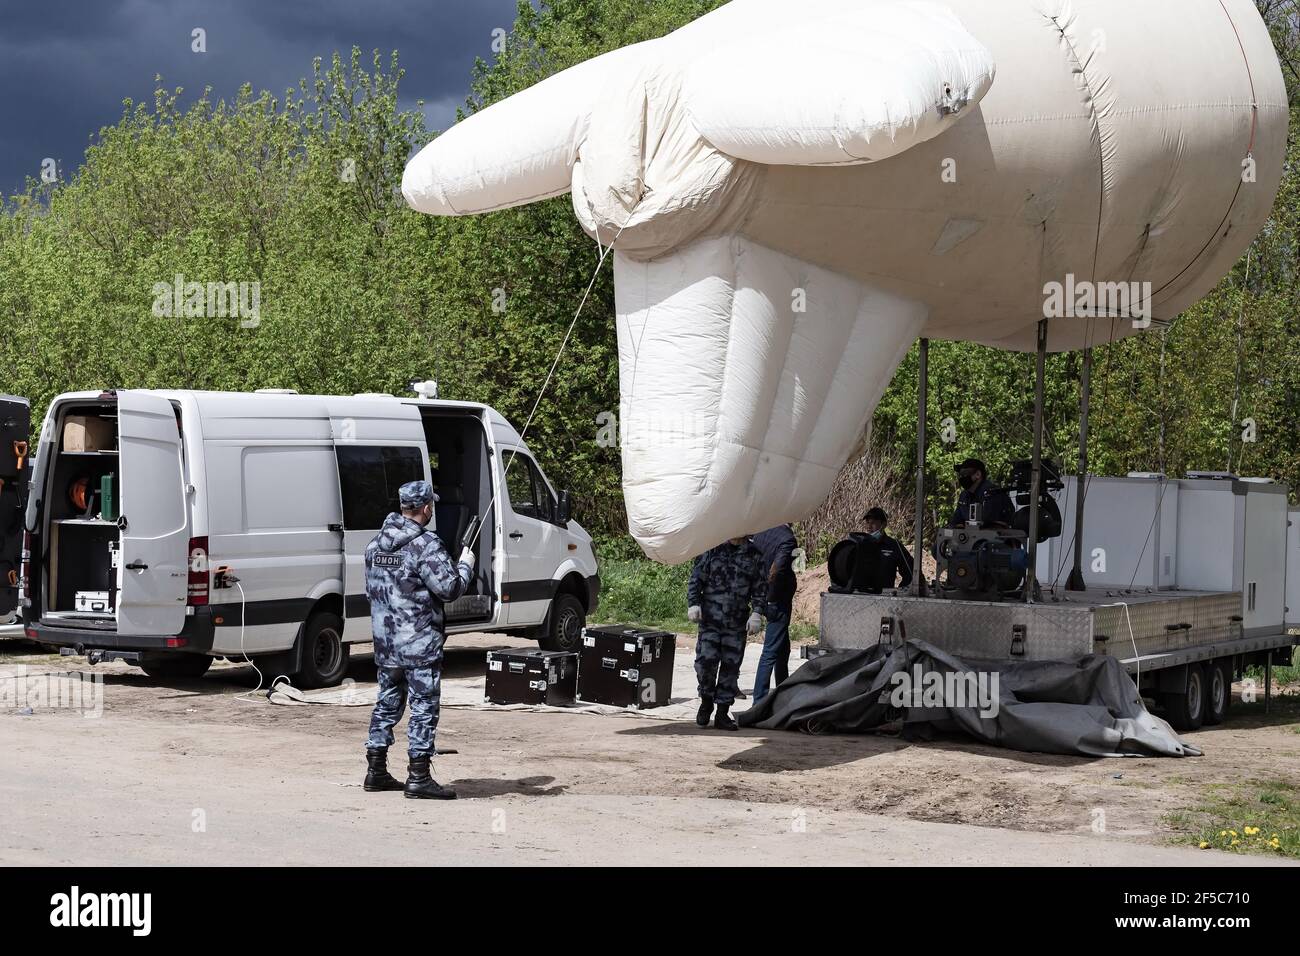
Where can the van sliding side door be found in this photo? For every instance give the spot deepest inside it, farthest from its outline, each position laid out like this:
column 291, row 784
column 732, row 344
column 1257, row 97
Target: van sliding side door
column 153, row 574
column 376, row 456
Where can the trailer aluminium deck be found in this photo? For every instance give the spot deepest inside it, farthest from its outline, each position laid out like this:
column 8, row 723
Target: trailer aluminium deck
column 1172, row 642
column 1142, row 630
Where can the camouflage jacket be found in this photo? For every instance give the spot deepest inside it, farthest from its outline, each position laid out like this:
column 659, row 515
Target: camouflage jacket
column 408, row 577
column 727, row 584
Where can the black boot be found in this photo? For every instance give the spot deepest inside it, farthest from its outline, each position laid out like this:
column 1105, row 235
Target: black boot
column 723, row 721
column 706, row 710
column 420, row 785
column 377, row 776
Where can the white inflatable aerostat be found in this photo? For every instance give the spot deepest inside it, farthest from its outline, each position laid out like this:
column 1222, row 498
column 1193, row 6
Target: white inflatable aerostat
column 801, row 189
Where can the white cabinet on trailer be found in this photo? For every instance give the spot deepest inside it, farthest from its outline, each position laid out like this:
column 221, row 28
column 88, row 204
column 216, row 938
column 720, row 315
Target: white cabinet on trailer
column 1232, row 536
column 1130, row 534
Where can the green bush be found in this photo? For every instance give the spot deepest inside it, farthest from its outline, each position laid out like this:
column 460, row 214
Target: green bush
column 638, row 591
column 1281, row 675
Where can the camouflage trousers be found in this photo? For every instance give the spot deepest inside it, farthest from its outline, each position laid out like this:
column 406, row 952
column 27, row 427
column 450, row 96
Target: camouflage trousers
column 423, row 687
column 717, row 664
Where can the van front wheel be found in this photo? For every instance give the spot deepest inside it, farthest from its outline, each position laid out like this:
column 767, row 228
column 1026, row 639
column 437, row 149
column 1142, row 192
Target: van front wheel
column 324, row 655
column 564, row 624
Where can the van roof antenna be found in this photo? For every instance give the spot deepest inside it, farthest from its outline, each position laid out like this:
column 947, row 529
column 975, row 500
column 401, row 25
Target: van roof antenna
column 426, row 389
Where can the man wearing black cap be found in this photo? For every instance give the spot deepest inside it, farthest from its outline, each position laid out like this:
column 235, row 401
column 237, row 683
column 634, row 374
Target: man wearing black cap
column 894, row 559
column 981, row 501
column 409, row 577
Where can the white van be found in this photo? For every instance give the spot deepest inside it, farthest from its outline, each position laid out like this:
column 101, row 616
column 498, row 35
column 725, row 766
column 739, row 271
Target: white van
column 166, row 528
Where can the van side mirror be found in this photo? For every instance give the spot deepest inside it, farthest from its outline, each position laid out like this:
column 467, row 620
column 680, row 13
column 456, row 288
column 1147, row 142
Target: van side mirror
column 564, row 509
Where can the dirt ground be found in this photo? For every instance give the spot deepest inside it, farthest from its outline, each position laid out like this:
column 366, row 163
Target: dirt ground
column 273, row 783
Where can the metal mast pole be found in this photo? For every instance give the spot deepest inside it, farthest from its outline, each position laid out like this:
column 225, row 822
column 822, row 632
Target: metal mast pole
column 1036, row 475
column 1075, row 582
column 922, row 390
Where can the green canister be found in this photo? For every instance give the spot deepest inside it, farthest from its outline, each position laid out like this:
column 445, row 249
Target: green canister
column 107, row 500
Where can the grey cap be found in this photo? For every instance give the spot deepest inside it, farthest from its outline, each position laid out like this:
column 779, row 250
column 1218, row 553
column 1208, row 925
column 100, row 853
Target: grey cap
column 416, row 494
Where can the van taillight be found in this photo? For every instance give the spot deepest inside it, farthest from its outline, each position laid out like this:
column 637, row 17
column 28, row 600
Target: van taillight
column 198, row 577
column 26, row 593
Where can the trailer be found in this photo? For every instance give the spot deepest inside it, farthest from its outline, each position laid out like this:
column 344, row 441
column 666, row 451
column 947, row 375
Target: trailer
column 1190, row 582
column 1184, row 649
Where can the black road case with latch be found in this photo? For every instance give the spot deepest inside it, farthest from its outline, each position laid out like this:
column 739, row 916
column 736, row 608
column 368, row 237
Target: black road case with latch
column 531, row 677
column 626, row 666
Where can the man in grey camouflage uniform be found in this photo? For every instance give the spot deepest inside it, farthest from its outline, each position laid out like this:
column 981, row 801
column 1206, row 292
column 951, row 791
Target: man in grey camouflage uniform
column 409, row 576
column 726, row 595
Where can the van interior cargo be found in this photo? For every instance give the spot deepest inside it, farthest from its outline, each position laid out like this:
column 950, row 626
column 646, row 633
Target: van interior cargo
column 81, row 508
column 15, row 468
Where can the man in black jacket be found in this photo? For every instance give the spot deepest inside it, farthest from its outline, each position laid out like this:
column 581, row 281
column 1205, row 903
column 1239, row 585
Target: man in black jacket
column 980, row 500
column 894, row 559
column 777, row 545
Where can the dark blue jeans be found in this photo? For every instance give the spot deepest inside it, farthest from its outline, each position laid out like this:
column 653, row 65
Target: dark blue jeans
column 775, row 659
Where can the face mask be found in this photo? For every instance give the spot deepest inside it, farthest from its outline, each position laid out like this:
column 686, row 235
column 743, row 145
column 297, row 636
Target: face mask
column 967, row 480
column 875, row 535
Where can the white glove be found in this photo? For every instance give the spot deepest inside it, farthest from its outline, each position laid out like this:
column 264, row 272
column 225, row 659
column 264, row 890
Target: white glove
column 693, row 614
column 754, row 624
column 467, row 558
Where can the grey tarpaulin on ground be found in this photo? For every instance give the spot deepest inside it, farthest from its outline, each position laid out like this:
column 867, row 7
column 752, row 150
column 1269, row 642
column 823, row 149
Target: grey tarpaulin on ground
column 1089, row 706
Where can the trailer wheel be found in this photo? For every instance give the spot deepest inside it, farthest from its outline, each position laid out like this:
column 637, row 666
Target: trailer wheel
column 564, row 624
column 1186, row 710
column 1218, row 691
column 176, row 665
column 324, row 655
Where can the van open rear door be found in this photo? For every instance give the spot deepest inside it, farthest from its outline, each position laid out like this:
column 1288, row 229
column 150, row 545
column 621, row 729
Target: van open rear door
column 155, row 544
column 15, row 423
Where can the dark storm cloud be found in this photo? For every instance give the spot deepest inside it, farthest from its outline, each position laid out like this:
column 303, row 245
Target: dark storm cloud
column 65, row 68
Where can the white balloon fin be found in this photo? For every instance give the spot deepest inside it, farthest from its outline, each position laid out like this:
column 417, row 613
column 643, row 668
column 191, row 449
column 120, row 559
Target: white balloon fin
column 860, row 86
column 747, row 377
column 514, row 152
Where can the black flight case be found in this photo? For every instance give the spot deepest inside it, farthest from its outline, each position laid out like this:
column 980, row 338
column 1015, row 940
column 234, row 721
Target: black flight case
column 626, row 666
column 531, row 677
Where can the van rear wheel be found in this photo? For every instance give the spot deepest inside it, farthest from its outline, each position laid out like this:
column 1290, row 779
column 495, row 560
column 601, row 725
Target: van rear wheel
column 564, row 624
column 324, row 655
column 176, row 665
